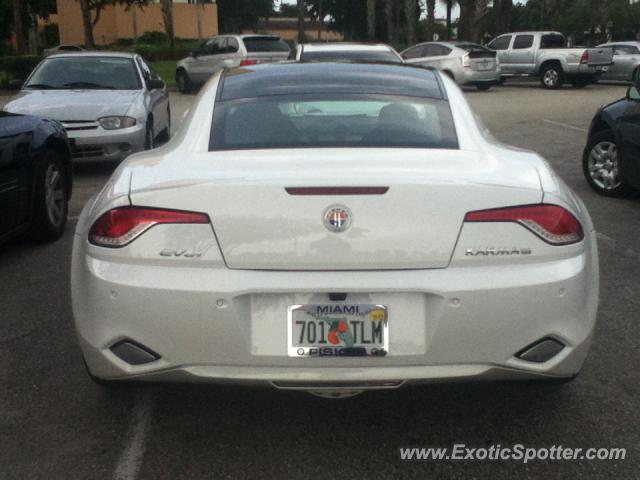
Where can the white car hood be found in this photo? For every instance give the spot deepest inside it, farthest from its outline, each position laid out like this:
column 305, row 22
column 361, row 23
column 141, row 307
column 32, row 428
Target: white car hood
column 72, row 104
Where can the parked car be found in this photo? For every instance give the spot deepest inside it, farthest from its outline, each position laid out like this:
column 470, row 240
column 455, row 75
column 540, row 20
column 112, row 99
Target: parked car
column 368, row 234
column 611, row 159
column 111, row 104
column 345, row 51
column 465, row 62
column 35, row 177
column 545, row 55
column 626, row 62
column 227, row 51
column 62, row 49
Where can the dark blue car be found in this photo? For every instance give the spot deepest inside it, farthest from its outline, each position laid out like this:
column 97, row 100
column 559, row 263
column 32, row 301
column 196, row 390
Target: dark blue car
column 35, row 177
column 611, row 160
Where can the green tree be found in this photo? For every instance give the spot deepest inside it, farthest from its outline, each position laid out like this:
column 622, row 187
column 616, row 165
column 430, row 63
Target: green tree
column 235, row 15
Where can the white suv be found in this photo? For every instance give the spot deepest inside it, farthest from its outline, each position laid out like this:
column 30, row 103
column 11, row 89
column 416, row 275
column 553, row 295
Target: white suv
column 228, row 51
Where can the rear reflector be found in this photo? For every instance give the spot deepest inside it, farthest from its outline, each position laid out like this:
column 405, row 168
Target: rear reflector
column 553, row 224
column 336, row 190
column 118, row 227
column 247, row 61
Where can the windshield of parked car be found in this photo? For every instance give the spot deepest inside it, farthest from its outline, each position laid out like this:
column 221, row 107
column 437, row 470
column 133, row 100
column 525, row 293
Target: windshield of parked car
column 83, row 72
column 350, row 56
column 342, row 120
column 265, row 44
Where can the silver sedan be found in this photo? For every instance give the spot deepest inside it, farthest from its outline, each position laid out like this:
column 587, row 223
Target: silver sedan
column 111, row 104
column 465, row 62
column 626, row 62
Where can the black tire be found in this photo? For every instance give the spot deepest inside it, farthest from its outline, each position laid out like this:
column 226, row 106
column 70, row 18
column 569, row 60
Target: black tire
column 635, row 77
column 50, row 202
column 502, row 80
column 483, row 87
column 149, row 140
column 600, row 166
column 183, row 82
column 580, row 82
column 165, row 134
column 551, row 76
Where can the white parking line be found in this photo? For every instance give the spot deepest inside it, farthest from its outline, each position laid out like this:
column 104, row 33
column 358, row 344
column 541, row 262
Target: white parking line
column 130, row 460
column 565, row 125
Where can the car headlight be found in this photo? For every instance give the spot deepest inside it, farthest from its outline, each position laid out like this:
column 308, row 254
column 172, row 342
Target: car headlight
column 114, row 123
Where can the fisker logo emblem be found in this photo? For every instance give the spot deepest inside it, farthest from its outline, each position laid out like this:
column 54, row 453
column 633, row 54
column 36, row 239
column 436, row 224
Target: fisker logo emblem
column 337, row 218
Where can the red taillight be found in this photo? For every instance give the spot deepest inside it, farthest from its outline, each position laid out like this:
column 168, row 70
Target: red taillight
column 247, row 61
column 585, row 58
column 551, row 223
column 119, row 226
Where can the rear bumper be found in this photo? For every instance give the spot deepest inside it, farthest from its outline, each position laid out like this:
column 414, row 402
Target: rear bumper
column 220, row 325
column 473, row 77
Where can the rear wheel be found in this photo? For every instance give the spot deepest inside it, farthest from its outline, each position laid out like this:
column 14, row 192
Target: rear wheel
column 636, row 76
column 551, row 76
column 183, row 81
column 601, row 168
column 483, row 87
column 50, row 201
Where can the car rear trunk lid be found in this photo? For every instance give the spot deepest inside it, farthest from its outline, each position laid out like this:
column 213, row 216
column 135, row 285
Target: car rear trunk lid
column 403, row 215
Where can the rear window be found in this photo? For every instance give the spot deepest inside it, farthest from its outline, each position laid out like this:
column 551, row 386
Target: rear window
column 265, row 44
column 553, row 40
column 473, row 48
column 301, row 121
column 350, row 56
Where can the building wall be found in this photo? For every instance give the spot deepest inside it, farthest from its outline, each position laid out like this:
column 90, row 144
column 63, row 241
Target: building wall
column 117, row 22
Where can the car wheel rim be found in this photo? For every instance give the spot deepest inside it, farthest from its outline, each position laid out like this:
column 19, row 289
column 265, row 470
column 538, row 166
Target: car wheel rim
column 54, row 195
column 550, row 78
column 603, row 166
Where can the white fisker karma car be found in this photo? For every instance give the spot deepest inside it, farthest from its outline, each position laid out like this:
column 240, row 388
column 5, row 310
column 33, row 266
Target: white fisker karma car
column 334, row 228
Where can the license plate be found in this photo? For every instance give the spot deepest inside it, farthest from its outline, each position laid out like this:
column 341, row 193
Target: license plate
column 338, row 330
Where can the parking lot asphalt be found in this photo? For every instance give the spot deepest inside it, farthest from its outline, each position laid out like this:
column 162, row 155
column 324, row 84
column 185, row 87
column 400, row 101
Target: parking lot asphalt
column 56, row 424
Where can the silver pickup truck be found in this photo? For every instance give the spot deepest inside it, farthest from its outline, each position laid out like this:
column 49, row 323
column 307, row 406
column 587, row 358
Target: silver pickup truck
column 545, row 55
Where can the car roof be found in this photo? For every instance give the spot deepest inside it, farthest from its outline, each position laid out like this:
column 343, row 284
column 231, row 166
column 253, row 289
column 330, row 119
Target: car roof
column 252, row 35
column 94, row 53
column 345, row 46
column 531, row 32
column 330, row 77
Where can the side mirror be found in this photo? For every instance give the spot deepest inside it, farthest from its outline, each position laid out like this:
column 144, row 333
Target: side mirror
column 16, row 84
column 155, row 84
column 633, row 93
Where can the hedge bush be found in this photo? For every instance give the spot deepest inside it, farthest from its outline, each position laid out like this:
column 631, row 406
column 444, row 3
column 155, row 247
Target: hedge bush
column 18, row 67
column 153, row 38
column 155, row 53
